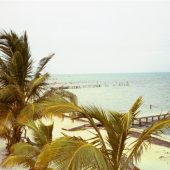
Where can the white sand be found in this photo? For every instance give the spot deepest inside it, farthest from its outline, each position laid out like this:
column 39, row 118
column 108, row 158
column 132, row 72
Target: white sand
column 156, row 158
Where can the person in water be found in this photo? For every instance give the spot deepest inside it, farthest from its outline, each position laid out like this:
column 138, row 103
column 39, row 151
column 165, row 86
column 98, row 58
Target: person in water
column 150, row 106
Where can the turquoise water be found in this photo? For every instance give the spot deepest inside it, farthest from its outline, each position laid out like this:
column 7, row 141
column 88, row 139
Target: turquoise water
column 154, row 87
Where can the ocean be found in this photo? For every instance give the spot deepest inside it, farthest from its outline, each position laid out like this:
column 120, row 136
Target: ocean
column 118, row 91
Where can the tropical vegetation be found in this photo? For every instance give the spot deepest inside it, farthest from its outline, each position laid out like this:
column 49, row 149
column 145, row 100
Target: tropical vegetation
column 21, row 85
column 109, row 151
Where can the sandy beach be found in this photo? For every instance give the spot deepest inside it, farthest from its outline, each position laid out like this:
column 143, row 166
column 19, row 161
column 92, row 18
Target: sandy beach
column 156, row 157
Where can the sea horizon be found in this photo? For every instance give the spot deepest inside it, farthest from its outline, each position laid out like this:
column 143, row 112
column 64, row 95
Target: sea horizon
column 91, row 73
column 119, row 90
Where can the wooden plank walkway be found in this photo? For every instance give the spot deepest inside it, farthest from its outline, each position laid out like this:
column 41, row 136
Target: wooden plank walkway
column 142, row 121
column 138, row 122
column 147, row 120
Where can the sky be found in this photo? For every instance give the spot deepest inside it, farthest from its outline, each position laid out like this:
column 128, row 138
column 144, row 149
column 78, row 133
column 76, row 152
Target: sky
column 94, row 36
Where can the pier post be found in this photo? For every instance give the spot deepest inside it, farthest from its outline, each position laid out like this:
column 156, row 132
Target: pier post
column 140, row 122
column 147, row 120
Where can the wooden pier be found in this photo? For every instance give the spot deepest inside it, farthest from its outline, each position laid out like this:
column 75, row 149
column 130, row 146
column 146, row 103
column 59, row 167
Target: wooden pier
column 138, row 122
column 80, row 86
column 147, row 120
column 97, row 84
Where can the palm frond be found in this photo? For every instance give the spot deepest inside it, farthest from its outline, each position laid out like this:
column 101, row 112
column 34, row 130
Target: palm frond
column 24, row 149
column 72, row 153
column 27, row 113
column 16, row 56
column 37, row 86
column 5, row 124
column 117, row 126
column 42, row 64
column 46, row 95
column 11, row 94
column 67, row 95
column 15, row 160
column 51, row 105
column 140, row 143
column 56, row 105
column 41, row 133
column 6, row 79
column 134, row 108
column 128, row 118
column 4, row 107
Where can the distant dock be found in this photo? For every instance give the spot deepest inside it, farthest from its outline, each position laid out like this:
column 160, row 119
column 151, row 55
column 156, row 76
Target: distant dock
column 81, row 86
column 85, row 84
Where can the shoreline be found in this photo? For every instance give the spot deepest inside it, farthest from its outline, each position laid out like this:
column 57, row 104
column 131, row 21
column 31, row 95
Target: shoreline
column 156, row 140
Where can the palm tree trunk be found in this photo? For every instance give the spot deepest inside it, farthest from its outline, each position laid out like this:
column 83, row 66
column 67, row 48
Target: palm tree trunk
column 15, row 137
column 116, row 167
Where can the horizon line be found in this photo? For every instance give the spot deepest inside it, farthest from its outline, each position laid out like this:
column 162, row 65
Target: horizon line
column 109, row 73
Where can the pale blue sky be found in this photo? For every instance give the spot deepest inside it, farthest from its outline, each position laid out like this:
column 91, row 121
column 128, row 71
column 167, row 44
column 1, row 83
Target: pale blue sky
column 94, row 36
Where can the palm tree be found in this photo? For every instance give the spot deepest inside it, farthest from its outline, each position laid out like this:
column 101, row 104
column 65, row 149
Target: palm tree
column 21, row 86
column 108, row 152
column 26, row 152
column 29, row 152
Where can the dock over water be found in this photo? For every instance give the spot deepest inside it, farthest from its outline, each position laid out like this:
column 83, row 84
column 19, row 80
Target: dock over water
column 147, row 120
column 93, row 84
column 138, row 122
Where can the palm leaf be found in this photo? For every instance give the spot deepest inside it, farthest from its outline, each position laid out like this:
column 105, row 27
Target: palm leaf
column 27, row 113
column 15, row 160
column 140, row 143
column 16, row 56
column 37, row 86
column 5, row 124
column 56, row 105
column 71, row 153
column 24, row 149
column 42, row 64
column 67, row 95
column 41, row 133
column 137, row 104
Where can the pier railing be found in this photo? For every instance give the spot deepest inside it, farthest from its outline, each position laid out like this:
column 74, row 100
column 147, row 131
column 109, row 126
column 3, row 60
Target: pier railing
column 144, row 121
column 138, row 122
